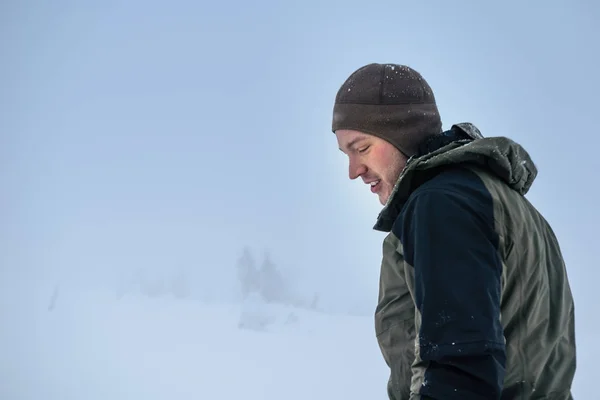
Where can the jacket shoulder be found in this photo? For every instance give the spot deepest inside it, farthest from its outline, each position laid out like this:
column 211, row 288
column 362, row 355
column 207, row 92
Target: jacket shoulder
column 462, row 183
column 452, row 178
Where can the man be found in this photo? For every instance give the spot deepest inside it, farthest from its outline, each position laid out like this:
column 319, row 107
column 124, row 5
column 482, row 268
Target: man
column 474, row 298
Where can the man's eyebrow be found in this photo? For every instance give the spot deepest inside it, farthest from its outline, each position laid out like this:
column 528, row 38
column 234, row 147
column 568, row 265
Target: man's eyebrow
column 353, row 142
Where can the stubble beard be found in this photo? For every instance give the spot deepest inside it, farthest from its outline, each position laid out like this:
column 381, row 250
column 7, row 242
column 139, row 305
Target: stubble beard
column 392, row 174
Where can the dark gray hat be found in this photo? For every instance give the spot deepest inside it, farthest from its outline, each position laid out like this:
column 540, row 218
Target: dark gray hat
column 390, row 101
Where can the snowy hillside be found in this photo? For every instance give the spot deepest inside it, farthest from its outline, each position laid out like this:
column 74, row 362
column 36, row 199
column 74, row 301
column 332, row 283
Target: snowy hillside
column 93, row 345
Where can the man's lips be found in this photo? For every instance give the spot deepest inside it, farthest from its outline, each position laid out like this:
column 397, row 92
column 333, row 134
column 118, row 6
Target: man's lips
column 375, row 185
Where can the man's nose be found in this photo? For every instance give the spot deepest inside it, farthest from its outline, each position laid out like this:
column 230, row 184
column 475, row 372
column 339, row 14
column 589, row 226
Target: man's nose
column 356, row 169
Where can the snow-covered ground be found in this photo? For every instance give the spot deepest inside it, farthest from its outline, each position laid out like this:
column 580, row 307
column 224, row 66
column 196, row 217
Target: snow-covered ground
column 93, row 345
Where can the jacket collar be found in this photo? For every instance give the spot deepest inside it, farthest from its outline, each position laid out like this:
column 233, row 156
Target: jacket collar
column 463, row 144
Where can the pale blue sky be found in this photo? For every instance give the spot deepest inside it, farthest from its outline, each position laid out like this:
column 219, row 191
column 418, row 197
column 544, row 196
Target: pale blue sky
column 171, row 135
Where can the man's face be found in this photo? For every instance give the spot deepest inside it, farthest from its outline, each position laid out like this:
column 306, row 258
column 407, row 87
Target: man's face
column 375, row 160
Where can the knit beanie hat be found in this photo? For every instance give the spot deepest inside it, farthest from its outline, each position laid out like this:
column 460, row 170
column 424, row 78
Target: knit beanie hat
column 390, row 101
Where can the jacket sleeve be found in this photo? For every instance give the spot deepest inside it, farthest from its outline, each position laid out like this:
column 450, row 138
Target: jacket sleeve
column 449, row 237
column 395, row 320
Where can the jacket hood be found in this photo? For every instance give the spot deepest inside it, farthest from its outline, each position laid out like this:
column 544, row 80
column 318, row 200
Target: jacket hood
column 464, row 146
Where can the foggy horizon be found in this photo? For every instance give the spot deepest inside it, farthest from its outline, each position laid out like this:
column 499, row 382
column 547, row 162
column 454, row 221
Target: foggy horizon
column 142, row 136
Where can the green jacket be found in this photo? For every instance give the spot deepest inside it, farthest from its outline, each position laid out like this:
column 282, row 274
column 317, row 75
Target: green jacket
column 474, row 298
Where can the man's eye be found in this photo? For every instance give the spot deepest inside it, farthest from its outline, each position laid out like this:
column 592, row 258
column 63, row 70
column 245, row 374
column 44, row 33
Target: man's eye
column 363, row 149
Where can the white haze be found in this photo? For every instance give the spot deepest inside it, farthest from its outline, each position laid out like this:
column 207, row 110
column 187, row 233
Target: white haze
column 154, row 142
